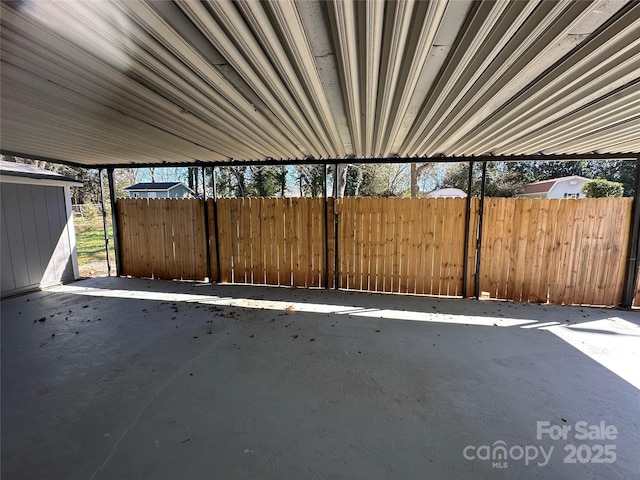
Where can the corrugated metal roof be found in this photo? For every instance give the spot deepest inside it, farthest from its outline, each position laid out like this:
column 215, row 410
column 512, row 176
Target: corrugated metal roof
column 101, row 83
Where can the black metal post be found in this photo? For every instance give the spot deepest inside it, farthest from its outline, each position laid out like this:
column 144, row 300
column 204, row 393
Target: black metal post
column 479, row 231
column 104, row 222
column 206, row 223
column 216, row 235
column 326, row 229
column 336, row 189
column 467, row 234
column 114, row 221
column 633, row 256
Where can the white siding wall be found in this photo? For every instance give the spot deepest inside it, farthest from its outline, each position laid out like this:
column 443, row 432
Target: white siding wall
column 565, row 187
column 37, row 237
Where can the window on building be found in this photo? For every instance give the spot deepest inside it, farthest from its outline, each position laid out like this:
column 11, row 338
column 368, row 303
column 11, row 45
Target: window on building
column 571, row 195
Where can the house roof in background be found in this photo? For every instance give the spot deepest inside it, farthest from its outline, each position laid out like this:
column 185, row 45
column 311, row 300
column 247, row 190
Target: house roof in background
column 129, row 83
column 546, row 185
column 12, row 171
column 154, row 186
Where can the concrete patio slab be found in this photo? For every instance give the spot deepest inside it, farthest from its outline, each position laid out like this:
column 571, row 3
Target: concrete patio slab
column 114, row 378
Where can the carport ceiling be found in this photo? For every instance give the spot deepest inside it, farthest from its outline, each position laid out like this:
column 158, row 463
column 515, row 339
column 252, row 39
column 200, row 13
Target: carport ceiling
column 109, row 83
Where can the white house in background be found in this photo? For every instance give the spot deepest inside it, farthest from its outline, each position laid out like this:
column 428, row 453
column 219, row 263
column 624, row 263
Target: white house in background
column 160, row 190
column 564, row 187
column 447, row 192
column 38, row 247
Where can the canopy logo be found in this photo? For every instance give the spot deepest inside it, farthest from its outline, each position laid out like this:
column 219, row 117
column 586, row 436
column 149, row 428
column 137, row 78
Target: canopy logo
column 500, row 453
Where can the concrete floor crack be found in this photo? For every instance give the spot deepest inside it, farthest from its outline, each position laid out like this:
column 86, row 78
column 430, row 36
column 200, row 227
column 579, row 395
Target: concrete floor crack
column 179, row 372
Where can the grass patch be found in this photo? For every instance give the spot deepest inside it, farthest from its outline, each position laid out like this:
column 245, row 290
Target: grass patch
column 90, row 240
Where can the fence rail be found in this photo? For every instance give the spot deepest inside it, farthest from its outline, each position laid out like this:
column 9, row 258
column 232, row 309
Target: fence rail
column 533, row 250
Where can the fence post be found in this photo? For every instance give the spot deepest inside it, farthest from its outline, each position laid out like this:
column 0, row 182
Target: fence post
column 479, row 231
column 633, row 262
column 114, row 221
column 206, row 223
column 336, row 189
column 467, row 235
column 326, row 229
column 216, row 234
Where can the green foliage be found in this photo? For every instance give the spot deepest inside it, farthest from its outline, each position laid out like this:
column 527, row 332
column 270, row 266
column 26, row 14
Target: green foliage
column 602, row 188
column 505, row 179
column 265, row 181
column 89, row 211
column 546, row 170
column 620, row 171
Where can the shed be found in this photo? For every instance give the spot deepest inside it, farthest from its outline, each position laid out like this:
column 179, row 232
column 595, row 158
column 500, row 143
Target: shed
column 38, row 240
column 160, row 190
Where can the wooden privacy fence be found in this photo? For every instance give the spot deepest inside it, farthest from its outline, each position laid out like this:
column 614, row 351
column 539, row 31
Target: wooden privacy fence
column 533, row 250
column 162, row 238
column 404, row 245
column 272, row 241
column 570, row 251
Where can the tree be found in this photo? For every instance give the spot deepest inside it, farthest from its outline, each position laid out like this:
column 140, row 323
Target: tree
column 417, row 170
column 224, row 182
column 546, row 170
column 501, row 180
column 602, row 188
column 340, row 183
column 311, row 179
column 239, row 174
column 193, row 179
column 375, row 180
column 394, row 179
column 280, row 174
column 623, row 171
column 90, row 190
column 124, row 177
column 264, row 181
